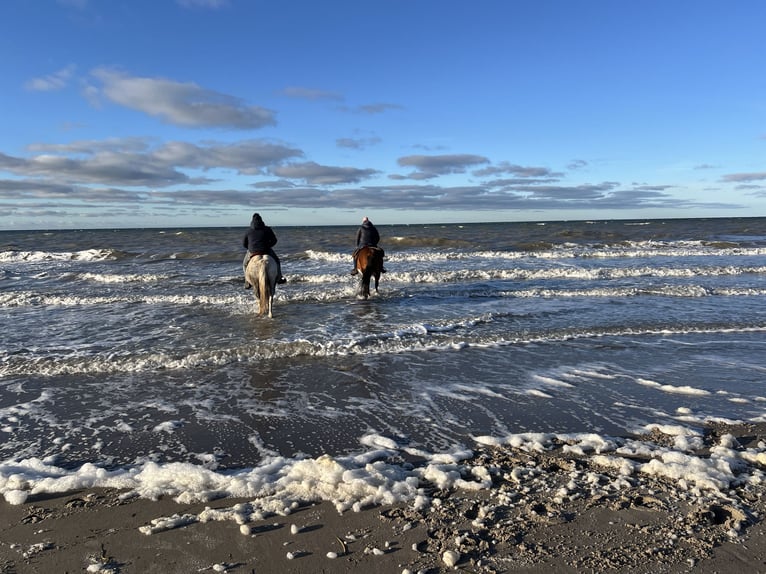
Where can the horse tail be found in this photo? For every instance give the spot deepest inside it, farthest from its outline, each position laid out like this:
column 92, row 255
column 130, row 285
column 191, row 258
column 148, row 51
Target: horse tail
column 370, row 262
column 261, row 273
column 264, row 286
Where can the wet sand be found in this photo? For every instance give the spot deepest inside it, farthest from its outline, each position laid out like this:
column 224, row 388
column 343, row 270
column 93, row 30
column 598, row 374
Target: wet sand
column 518, row 525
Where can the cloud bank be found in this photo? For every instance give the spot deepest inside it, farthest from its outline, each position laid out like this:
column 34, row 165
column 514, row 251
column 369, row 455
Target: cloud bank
column 139, row 174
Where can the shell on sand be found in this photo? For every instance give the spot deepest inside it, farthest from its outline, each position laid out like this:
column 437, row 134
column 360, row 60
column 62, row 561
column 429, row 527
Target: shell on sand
column 450, row 557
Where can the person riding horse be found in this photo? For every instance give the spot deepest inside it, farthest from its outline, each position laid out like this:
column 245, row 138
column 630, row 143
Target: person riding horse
column 366, row 236
column 260, row 239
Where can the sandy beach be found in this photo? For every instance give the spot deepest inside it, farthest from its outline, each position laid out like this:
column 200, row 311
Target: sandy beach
column 545, row 511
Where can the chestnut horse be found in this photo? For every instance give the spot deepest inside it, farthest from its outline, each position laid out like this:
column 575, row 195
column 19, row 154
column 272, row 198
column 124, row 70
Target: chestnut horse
column 262, row 273
column 369, row 262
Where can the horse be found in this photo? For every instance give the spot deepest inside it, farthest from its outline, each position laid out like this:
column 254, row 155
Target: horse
column 369, row 262
column 261, row 273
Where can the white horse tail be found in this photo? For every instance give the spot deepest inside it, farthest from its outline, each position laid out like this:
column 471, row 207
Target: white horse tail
column 262, row 275
column 265, row 296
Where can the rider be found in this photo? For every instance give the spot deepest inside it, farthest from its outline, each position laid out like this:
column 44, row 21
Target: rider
column 366, row 236
column 260, row 239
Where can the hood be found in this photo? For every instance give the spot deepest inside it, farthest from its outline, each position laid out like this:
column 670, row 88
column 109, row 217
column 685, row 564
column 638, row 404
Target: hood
column 256, row 221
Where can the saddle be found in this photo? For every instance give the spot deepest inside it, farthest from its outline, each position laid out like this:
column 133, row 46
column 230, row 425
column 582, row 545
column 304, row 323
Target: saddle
column 375, row 247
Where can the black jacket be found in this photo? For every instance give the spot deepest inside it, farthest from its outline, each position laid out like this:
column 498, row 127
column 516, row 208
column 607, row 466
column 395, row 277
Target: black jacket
column 260, row 237
column 367, row 235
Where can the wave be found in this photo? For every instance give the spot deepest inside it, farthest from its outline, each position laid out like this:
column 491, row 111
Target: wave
column 37, row 256
column 619, row 292
column 418, row 252
column 34, row 299
column 331, row 256
column 98, row 255
column 396, row 275
column 335, row 287
column 415, row 242
column 646, row 249
column 418, row 337
column 118, row 278
column 564, row 252
column 570, row 272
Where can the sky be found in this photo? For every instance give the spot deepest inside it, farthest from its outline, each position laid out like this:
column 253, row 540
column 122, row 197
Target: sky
column 156, row 113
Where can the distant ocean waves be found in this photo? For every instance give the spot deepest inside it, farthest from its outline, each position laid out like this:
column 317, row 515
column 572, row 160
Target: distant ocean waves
column 84, row 255
column 109, row 255
column 420, row 250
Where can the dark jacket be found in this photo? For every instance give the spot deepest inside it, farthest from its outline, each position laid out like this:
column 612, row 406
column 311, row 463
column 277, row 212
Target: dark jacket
column 367, row 235
column 260, row 237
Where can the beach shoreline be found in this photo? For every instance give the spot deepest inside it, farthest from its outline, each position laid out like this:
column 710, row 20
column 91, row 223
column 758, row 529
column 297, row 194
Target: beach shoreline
column 532, row 519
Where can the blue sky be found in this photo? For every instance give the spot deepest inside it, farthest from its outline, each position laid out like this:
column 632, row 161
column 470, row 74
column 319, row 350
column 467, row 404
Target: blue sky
column 152, row 113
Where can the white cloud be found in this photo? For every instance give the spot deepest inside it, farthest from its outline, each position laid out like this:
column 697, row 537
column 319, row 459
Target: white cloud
column 429, row 166
column 52, row 82
column 314, row 173
column 183, row 104
column 747, row 177
column 357, row 143
column 517, row 170
column 133, row 162
column 310, row 93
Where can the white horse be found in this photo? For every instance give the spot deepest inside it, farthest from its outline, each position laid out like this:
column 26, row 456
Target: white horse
column 262, row 273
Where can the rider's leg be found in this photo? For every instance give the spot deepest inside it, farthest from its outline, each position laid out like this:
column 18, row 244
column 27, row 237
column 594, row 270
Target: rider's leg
column 244, row 268
column 280, row 277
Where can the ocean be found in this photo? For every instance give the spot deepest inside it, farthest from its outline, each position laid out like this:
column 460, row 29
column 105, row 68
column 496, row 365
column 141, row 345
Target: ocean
column 134, row 357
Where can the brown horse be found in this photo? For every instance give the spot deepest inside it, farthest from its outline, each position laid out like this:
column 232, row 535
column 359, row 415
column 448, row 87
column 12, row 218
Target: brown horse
column 369, row 262
column 261, row 273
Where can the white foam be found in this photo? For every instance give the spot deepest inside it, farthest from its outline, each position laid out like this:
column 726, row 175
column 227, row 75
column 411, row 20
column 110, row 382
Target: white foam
column 405, row 339
column 36, row 298
column 348, row 482
column 127, row 278
column 553, row 382
column 278, row 485
column 35, row 256
column 677, row 390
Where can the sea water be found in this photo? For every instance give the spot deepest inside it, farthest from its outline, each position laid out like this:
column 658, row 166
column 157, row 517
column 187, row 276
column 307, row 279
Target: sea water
column 138, row 353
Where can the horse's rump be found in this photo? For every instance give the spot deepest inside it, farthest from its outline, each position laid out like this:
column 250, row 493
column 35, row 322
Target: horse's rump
column 368, row 255
column 261, row 273
column 369, row 261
